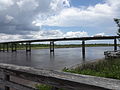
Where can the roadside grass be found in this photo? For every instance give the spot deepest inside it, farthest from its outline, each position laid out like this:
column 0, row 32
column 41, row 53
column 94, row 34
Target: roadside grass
column 102, row 68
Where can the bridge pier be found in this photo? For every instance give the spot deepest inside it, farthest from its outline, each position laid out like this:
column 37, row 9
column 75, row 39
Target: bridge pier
column 7, row 47
column 115, row 44
column 3, row 47
column 14, row 47
column 51, row 46
column 0, row 48
column 28, row 47
column 83, row 49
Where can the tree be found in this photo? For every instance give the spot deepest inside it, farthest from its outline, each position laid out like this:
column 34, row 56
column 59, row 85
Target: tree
column 118, row 24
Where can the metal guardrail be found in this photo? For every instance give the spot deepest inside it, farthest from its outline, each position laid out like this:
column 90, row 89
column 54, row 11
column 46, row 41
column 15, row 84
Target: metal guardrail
column 57, row 79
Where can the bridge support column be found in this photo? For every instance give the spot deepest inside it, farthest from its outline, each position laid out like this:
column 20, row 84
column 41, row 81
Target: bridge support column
column 14, row 47
column 3, row 47
column 83, row 49
column 115, row 44
column 51, row 46
column 28, row 47
column 7, row 46
column 0, row 48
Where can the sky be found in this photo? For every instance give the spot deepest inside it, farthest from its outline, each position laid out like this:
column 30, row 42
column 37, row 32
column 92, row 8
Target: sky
column 42, row 19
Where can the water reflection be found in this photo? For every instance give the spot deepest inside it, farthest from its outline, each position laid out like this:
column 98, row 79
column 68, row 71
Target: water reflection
column 52, row 56
column 42, row 58
column 28, row 56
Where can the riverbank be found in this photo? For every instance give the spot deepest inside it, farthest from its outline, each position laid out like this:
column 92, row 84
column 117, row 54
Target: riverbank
column 43, row 46
column 46, row 46
column 102, row 68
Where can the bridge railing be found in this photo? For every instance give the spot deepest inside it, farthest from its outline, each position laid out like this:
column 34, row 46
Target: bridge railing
column 56, row 79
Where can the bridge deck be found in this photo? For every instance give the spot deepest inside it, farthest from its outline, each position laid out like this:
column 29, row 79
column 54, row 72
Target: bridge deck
column 65, row 39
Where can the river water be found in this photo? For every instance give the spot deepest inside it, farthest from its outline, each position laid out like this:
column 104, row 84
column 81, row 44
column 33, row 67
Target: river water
column 63, row 57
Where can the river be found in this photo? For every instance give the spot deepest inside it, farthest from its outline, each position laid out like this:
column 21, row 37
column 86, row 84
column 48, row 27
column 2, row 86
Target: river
column 63, row 57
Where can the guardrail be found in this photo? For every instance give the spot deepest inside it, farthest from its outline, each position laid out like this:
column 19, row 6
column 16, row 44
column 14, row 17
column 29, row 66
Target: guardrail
column 57, row 79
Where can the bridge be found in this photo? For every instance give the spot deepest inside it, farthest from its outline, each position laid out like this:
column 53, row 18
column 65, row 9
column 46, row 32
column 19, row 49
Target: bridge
column 12, row 45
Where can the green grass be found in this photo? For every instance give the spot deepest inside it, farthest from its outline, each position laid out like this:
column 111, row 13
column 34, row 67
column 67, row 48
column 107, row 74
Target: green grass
column 101, row 68
column 104, row 68
column 44, row 87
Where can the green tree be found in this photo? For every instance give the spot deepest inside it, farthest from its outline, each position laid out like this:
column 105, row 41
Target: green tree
column 118, row 24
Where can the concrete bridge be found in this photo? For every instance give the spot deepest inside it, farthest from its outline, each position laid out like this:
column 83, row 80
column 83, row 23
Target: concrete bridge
column 12, row 45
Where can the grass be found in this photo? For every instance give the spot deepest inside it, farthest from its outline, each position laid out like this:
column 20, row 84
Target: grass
column 104, row 68
column 44, row 87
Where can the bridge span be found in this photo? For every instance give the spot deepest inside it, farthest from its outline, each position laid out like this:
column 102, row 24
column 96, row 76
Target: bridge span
column 12, row 45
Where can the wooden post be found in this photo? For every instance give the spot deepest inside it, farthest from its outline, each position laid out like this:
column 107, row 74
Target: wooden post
column 83, row 49
column 6, row 78
column 55, row 88
column 115, row 44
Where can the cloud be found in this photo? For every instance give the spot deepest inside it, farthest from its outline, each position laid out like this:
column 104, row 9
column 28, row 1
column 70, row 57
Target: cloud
column 100, row 34
column 8, row 37
column 17, row 16
column 42, row 34
column 57, row 34
column 24, row 18
column 76, row 34
column 90, row 16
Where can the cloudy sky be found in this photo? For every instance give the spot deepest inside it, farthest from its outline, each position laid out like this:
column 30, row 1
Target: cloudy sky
column 38, row 19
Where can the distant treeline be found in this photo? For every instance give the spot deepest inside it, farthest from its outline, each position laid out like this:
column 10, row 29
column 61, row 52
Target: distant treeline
column 70, row 45
column 39, row 46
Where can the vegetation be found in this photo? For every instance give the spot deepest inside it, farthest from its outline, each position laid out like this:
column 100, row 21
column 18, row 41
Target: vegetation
column 45, row 87
column 103, row 68
column 42, row 46
column 118, row 24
